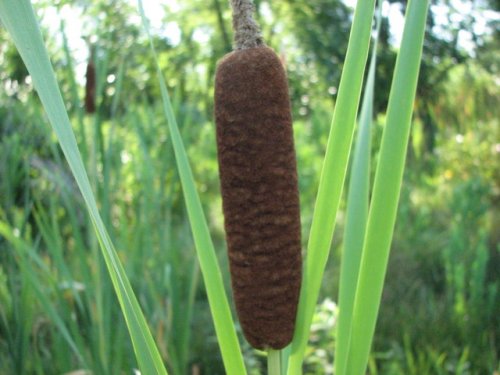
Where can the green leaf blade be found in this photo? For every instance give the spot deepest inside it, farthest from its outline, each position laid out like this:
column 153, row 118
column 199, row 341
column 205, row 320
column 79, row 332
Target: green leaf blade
column 388, row 178
column 332, row 178
column 356, row 217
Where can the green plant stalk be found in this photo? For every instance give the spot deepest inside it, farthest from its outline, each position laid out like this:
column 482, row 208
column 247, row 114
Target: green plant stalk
column 356, row 216
column 273, row 362
column 387, row 185
column 332, row 178
column 19, row 19
column 285, row 355
column 217, row 299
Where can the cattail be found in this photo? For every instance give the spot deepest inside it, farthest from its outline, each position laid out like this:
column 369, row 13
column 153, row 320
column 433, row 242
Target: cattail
column 90, row 84
column 258, row 184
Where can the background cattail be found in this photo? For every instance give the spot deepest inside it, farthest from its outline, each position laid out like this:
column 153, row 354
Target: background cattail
column 259, row 184
column 90, row 82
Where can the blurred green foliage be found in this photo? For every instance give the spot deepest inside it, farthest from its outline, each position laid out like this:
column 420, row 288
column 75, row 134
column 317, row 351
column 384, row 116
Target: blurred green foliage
column 441, row 305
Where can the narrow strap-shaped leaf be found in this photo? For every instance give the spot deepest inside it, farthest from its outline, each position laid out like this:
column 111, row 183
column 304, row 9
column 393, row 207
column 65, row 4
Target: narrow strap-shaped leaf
column 332, row 178
column 217, row 299
column 387, row 186
column 19, row 19
column 26, row 256
column 356, row 216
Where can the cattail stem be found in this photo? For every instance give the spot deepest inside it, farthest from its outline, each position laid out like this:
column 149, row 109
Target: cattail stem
column 246, row 31
column 273, row 362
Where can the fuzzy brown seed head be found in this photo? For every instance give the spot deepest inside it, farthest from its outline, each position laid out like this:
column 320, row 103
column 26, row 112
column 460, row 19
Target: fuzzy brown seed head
column 260, row 193
column 90, row 87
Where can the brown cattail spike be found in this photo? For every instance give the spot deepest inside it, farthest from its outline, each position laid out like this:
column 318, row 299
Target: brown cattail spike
column 90, row 84
column 260, row 193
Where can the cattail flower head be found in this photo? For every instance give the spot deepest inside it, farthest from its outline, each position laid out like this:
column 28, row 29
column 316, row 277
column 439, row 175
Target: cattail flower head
column 259, row 185
column 90, row 82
